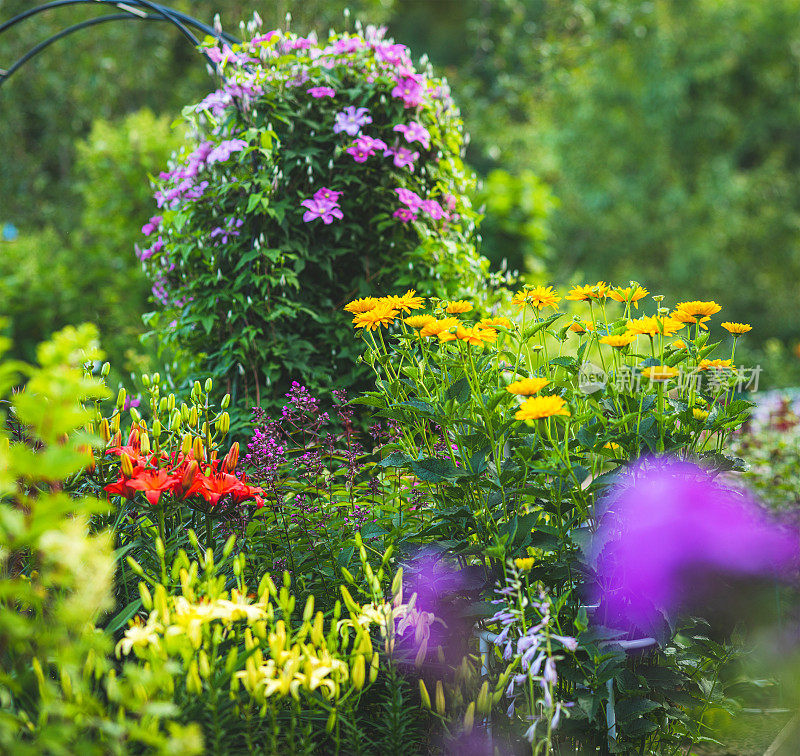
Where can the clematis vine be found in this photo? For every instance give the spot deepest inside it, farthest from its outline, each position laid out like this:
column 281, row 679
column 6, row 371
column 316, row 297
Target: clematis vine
column 351, row 120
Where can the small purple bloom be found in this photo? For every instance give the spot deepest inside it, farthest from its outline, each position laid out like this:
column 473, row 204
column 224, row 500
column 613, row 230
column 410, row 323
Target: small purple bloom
column 131, row 402
column 325, row 211
column 364, row 147
column 328, row 195
column 409, row 198
column 414, row 132
column 432, row 208
column 318, row 92
column 351, row 119
column 405, row 214
column 403, row 157
column 409, row 90
column 224, row 150
column 151, row 225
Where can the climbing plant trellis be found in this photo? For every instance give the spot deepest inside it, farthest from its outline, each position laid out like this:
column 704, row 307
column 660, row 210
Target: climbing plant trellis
column 135, row 10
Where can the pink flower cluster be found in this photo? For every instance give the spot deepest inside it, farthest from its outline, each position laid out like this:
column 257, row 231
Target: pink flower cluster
column 413, row 204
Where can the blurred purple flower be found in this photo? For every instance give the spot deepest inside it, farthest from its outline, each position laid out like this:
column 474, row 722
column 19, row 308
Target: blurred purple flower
column 668, row 530
column 410, row 90
column 318, row 92
column 405, row 214
column 131, row 402
column 411, row 199
column 351, row 119
column 433, row 209
column 224, row 150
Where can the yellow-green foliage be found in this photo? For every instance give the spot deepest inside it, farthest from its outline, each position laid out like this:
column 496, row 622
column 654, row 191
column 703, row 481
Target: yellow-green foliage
column 55, row 575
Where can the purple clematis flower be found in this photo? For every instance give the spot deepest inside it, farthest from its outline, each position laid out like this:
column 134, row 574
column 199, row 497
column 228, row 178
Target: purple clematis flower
column 409, row 198
column 224, row 150
column 410, row 90
column 669, row 531
column 351, row 119
column 324, row 210
column 414, row 132
column 432, row 208
column 403, row 157
column 405, row 214
column 318, row 92
column 327, row 195
column 364, row 147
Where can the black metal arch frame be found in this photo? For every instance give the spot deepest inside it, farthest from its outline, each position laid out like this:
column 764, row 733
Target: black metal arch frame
column 136, row 10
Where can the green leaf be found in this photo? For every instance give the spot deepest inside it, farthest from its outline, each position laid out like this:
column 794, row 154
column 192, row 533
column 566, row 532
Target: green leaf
column 434, row 470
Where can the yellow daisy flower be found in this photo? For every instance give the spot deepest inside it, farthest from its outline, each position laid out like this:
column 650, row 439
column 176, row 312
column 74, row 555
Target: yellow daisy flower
column 628, row 294
column 476, row 335
column 653, row 325
column 527, row 386
column 418, row 321
column 678, row 344
column 582, row 293
column 542, row 406
column 361, row 305
column 619, row 340
column 699, row 414
column 737, row 328
column 538, row 297
column 383, row 314
column 715, row 365
column 459, row 307
column 409, row 301
column 660, row 372
column 698, row 309
column 498, row 321
column 524, row 564
column 440, row 327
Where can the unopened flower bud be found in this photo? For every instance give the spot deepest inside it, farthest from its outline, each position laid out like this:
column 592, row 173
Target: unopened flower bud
column 440, row 707
column 484, row 700
column 105, row 430
column 156, row 428
column 469, row 717
column 147, row 599
column 226, row 400
column 186, row 444
column 358, row 673
column 171, row 402
column 135, row 415
column 189, row 475
column 331, row 723
column 105, row 370
column 193, row 417
column 175, row 421
column 198, row 450
column 423, row 694
column 231, row 458
column 144, row 443
column 126, row 465
column 162, row 405
column 209, row 385
column 145, row 380
column 156, row 378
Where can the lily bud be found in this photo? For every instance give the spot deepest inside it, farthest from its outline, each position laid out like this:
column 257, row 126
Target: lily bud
column 186, row 444
column 126, row 465
column 175, row 421
column 484, row 700
column 116, row 439
column 156, row 378
column 144, row 443
column 145, row 380
column 105, row 370
column 171, row 402
column 147, row 599
column 231, row 458
column 121, row 399
column 193, row 417
column 133, row 437
column 226, row 400
column 358, row 673
column 189, row 475
column 115, row 423
column 156, row 428
column 198, row 450
column 373, row 667
column 469, row 718
column 440, row 708
column 331, row 723
column 423, row 694
column 209, row 385
column 105, row 430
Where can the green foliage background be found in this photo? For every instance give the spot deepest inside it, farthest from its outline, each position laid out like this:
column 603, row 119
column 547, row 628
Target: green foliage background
column 629, row 139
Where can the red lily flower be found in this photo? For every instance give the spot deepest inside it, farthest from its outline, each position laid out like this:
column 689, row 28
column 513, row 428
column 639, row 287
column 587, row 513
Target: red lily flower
column 153, row 483
column 121, row 487
column 217, row 486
